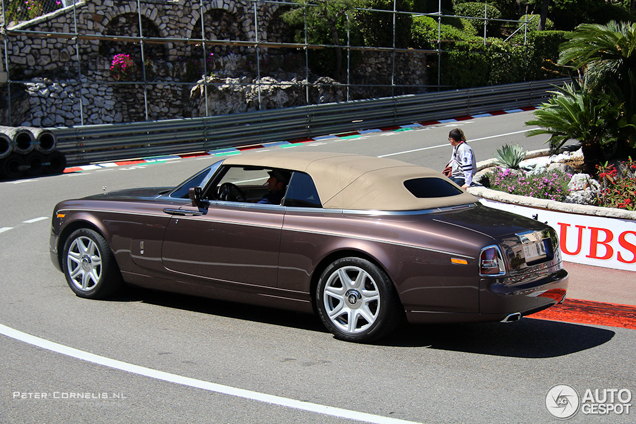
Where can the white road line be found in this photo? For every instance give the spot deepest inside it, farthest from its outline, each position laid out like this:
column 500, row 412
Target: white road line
column 31, row 221
column 501, row 135
column 414, row 150
column 447, row 144
column 191, row 382
column 3, row 229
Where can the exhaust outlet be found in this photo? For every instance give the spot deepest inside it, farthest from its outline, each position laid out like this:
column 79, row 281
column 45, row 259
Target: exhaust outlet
column 512, row 317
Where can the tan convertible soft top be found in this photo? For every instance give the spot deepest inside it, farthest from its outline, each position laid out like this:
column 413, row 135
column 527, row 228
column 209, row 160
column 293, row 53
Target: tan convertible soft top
column 356, row 182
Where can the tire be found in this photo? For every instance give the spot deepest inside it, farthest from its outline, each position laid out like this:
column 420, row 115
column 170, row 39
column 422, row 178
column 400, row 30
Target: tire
column 356, row 300
column 89, row 265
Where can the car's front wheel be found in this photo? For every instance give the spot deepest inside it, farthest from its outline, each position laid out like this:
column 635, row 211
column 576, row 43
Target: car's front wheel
column 356, row 300
column 89, row 265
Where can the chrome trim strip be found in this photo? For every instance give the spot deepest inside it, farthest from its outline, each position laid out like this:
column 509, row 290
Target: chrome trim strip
column 406, row 213
column 162, row 214
column 500, row 258
column 180, row 217
column 245, row 205
column 299, row 209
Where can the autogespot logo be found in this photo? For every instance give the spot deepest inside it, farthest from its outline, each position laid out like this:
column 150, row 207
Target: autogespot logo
column 562, row 401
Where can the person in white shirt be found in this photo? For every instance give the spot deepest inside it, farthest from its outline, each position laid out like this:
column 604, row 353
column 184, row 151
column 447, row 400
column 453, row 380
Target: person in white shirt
column 462, row 163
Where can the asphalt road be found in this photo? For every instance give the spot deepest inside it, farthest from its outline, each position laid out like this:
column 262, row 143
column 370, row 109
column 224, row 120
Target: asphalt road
column 155, row 357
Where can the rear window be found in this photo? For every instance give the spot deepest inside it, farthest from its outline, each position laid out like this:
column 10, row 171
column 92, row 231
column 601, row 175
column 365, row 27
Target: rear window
column 302, row 192
column 424, row 188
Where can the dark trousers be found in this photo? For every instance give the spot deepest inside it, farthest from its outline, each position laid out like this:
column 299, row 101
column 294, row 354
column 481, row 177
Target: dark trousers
column 458, row 180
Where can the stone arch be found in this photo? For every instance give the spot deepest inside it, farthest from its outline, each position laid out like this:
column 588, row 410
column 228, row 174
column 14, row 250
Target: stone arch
column 221, row 24
column 127, row 24
column 279, row 59
column 277, row 30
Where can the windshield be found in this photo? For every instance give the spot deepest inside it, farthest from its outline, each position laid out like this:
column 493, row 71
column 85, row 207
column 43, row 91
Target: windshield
column 198, row 180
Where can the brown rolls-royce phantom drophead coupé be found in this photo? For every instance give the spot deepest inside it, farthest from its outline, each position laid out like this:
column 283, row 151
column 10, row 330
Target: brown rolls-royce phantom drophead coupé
column 361, row 241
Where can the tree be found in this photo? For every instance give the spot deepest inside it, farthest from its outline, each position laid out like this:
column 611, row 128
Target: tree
column 322, row 12
column 377, row 27
column 598, row 110
column 575, row 113
column 607, row 56
column 544, row 14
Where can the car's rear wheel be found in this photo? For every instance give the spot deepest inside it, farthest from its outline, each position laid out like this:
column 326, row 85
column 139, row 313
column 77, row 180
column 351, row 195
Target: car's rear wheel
column 356, row 300
column 89, row 265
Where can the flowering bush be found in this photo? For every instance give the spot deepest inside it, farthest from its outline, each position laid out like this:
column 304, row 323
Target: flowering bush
column 618, row 189
column 123, row 68
column 551, row 185
column 24, row 10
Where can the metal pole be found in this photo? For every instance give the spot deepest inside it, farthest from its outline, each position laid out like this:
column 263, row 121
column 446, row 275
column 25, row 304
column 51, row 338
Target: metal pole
column 143, row 59
column 439, row 45
column 348, row 55
column 393, row 62
column 258, row 62
column 306, row 57
column 6, row 62
column 205, row 61
column 525, row 46
column 485, row 20
column 79, row 63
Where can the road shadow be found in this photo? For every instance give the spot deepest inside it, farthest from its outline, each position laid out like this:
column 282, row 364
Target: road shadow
column 223, row 308
column 526, row 338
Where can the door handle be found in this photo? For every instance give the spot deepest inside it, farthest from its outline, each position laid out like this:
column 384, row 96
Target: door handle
column 182, row 212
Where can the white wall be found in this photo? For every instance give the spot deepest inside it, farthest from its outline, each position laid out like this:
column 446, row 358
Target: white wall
column 590, row 240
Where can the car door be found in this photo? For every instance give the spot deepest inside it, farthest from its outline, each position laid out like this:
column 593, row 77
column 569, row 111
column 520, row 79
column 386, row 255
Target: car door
column 226, row 243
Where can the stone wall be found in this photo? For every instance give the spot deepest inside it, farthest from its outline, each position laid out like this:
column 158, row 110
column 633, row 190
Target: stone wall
column 68, row 82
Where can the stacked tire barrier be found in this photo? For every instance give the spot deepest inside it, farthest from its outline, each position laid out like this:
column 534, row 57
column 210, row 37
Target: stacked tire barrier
column 29, row 152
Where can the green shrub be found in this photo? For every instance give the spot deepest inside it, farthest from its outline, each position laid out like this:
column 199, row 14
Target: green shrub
column 476, row 10
column 475, row 65
column 424, row 33
column 508, row 8
column 465, row 67
column 377, row 27
column 510, row 155
column 533, row 23
column 507, row 62
column 544, row 55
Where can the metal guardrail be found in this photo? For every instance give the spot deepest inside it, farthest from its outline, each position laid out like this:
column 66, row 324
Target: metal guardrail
column 94, row 143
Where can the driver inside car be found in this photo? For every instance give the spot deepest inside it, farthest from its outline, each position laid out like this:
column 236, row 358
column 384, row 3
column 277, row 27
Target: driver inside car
column 277, row 182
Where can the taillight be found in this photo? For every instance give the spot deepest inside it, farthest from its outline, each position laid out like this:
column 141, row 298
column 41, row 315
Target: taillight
column 491, row 261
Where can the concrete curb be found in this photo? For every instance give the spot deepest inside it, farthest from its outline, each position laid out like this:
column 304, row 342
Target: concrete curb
column 500, row 196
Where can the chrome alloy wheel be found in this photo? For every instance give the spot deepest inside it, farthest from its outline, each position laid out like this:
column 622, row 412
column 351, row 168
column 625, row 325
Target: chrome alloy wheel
column 351, row 299
column 84, row 263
